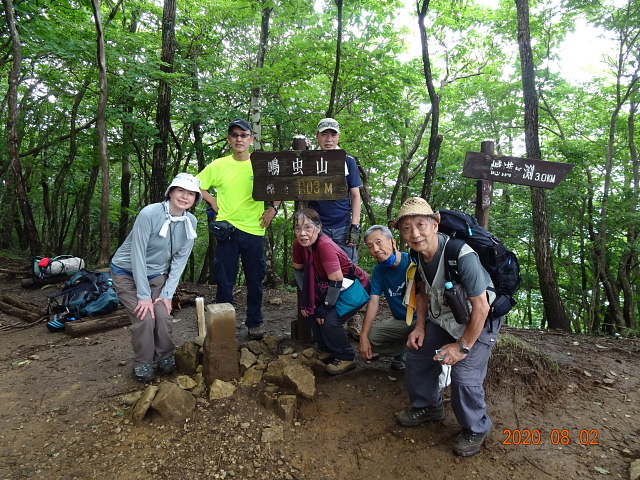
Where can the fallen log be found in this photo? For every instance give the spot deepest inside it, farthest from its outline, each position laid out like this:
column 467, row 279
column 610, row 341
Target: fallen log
column 30, row 317
column 117, row 319
column 23, row 304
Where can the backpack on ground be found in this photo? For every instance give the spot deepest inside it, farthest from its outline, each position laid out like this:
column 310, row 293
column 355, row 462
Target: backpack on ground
column 52, row 266
column 87, row 294
column 500, row 263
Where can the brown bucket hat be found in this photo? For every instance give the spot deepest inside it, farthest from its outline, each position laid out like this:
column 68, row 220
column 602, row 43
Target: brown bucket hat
column 415, row 206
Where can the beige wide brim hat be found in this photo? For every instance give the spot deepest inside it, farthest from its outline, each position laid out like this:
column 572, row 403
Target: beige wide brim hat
column 415, row 206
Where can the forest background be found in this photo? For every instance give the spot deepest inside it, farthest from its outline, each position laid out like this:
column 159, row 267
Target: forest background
column 105, row 101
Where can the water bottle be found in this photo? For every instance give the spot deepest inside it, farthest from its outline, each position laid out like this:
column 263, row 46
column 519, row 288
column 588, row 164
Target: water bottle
column 456, row 299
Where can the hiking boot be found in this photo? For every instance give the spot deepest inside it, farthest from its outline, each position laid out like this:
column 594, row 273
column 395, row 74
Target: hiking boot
column 167, row 365
column 412, row 416
column 144, row 373
column 469, row 443
column 397, row 363
column 326, row 357
column 256, row 333
column 340, row 366
column 354, row 327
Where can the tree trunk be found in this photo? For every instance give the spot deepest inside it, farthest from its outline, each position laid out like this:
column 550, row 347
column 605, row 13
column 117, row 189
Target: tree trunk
column 163, row 114
column 256, row 114
column 435, row 140
column 101, row 124
column 336, row 70
column 554, row 309
column 128, row 139
column 402, row 182
column 13, row 140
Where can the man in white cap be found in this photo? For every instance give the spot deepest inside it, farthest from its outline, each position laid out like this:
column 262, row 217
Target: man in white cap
column 246, row 220
column 341, row 218
column 438, row 339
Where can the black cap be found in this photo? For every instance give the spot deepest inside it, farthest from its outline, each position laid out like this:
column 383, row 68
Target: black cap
column 243, row 124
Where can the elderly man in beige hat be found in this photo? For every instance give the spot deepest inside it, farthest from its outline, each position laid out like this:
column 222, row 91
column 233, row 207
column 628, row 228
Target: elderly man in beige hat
column 442, row 340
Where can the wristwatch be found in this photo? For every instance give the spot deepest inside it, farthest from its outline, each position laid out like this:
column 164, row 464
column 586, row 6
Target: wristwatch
column 463, row 349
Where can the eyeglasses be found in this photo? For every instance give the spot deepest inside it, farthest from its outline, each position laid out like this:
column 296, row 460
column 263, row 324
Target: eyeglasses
column 240, row 135
column 306, row 228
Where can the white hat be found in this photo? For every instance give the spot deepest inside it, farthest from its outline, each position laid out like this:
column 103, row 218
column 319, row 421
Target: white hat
column 328, row 124
column 188, row 182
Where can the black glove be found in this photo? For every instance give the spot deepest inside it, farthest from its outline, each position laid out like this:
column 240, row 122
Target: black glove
column 354, row 234
column 323, row 310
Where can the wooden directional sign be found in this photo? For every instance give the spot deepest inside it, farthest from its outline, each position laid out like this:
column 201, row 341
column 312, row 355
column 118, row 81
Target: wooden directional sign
column 299, row 175
column 519, row 171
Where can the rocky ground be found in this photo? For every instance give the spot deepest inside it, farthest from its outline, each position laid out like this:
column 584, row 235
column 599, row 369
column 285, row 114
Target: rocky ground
column 564, row 407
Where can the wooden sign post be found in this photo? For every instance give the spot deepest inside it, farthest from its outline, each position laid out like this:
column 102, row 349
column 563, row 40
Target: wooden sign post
column 518, row 171
column 299, row 175
column 487, row 168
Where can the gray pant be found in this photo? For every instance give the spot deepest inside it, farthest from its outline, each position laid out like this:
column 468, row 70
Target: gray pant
column 151, row 339
column 389, row 337
column 467, row 377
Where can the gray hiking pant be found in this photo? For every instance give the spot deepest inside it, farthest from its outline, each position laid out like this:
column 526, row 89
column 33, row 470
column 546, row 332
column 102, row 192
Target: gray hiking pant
column 467, row 377
column 389, row 337
column 151, row 339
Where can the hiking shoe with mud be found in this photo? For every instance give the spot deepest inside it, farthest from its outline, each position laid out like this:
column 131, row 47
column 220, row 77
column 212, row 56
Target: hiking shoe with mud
column 469, row 443
column 167, row 365
column 412, row 416
column 340, row 366
column 256, row 333
column 144, row 373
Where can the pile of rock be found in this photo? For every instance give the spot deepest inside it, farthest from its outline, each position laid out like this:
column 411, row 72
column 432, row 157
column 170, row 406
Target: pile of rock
column 213, row 366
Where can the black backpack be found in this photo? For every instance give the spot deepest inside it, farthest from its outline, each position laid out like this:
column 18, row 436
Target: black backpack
column 500, row 263
column 86, row 294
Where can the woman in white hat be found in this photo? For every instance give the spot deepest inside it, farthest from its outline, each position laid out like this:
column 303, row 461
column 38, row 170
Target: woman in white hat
column 146, row 270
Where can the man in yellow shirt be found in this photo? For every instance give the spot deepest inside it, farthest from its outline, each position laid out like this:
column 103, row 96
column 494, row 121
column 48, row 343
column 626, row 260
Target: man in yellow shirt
column 232, row 177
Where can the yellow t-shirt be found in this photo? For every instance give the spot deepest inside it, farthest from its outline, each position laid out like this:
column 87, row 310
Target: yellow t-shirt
column 233, row 182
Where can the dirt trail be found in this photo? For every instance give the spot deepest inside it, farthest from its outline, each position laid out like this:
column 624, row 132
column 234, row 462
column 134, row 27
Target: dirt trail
column 62, row 415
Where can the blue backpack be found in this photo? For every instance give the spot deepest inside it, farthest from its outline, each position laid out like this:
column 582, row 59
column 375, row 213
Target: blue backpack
column 86, row 294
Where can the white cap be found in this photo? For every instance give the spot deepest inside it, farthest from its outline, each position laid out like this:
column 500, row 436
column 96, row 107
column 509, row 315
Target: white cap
column 188, row 182
column 328, row 124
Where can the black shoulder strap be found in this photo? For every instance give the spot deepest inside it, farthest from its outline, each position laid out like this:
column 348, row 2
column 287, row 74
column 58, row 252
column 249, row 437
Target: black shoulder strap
column 451, row 253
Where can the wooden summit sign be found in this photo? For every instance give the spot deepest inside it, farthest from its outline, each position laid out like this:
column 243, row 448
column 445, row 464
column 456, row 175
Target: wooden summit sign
column 519, row 171
column 299, row 175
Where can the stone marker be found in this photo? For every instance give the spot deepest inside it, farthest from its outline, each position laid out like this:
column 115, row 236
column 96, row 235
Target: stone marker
column 220, row 359
column 202, row 328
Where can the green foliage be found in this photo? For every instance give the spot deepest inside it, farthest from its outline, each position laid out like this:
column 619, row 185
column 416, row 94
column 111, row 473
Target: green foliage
column 381, row 102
